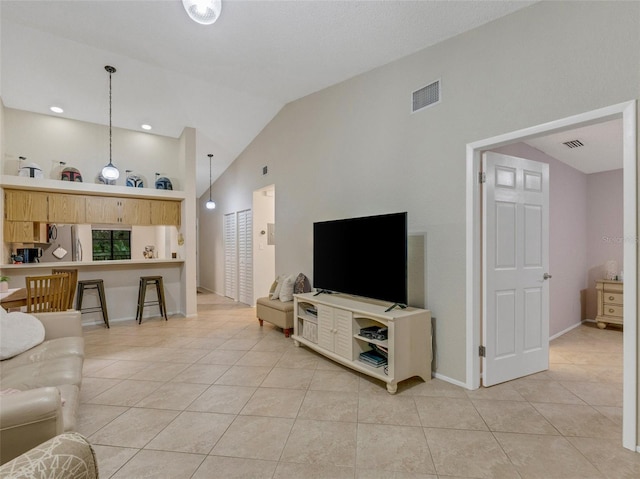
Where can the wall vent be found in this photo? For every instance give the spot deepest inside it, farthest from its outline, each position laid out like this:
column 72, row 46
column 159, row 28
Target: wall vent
column 425, row 96
column 573, row 144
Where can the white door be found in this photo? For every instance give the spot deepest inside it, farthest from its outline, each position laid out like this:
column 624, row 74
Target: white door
column 230, row 256
column 515, row 232
column 245, row 257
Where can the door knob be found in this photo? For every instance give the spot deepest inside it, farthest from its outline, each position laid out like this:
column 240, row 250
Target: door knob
column 546, row 276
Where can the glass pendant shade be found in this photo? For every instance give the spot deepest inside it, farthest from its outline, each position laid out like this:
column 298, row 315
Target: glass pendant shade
column 110, row 172
column 210, row 204
column 204, row 12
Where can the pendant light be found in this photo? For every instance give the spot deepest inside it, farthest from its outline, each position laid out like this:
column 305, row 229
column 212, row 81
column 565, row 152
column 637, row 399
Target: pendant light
column 110, row 172
column 210, row 204
column 204, row 12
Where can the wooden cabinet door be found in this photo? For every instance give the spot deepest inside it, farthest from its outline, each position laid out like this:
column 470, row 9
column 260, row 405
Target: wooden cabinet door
column 25, row 232
column 102, row 210
column 66, row 209
column 25, row 205
column 18, row 232
column 135, row 211
column 165, row 212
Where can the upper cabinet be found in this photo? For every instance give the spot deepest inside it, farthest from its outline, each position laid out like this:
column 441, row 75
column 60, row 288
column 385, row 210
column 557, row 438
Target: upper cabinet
column 165, row 212
column 66, row 208
column 40, row 207
column 25, row 206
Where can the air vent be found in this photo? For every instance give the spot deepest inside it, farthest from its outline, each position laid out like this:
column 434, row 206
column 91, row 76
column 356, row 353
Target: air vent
column 426, row 96
column 573, row 144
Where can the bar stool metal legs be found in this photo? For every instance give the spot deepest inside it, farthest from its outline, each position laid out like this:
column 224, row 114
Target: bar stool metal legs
column 98, row 285
column 142, row 291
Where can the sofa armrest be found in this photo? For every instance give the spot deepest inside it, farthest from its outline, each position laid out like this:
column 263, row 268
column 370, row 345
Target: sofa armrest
column 28, row 418
column 61, row 324
column 68, row 455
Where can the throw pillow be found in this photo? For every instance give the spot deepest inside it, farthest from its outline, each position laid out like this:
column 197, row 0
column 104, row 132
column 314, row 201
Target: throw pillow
column 279, row 281
column 286, row 293
column 301, row 285
column 20, row 332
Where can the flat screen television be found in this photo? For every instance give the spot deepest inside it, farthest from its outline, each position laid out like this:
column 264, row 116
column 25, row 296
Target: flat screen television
column 364, row 256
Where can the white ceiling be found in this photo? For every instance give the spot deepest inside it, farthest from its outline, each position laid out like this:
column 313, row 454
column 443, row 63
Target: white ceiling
column 602, row 150
column 227, row 80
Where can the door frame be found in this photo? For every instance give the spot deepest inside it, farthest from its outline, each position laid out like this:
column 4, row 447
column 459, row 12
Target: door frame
column 627, row 111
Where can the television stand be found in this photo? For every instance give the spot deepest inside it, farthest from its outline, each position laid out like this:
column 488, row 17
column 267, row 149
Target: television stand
column 342, row 331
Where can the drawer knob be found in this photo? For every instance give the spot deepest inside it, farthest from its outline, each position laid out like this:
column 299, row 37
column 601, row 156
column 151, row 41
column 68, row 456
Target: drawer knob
column 611, row 310
column 611, row 298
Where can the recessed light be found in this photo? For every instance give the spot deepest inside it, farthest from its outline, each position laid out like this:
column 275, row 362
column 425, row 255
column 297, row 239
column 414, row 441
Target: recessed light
column 145, row 127
column 56, row 109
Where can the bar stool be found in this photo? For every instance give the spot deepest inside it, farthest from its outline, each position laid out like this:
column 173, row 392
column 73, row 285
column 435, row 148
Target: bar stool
column 97, row 284
column 142, row 291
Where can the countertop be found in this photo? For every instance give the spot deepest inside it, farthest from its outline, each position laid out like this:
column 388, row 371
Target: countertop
column 90, row 264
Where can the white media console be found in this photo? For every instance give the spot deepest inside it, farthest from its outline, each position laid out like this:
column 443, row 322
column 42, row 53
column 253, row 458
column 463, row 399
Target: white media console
column 331, row 324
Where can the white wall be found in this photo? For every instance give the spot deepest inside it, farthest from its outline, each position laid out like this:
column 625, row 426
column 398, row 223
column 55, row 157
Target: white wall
column 46, row 140
column 605, row 237
column 354, row 149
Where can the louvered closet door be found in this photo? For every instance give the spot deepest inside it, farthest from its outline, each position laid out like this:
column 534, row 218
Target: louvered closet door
column 245, row 257
column 230, row 256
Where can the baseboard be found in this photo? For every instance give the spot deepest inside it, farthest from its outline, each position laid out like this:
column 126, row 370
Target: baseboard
column 565, row 331
column 447, row 379
column 98, row 322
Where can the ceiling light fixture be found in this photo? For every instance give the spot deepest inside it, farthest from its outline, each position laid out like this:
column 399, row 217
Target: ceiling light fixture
column 110, row 172
column 204, row 12
column 145, row 126
column 210, row 204
column 56, row 109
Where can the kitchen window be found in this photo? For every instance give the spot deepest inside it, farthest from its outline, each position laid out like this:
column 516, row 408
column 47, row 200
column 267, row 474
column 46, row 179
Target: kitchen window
column 111, row 244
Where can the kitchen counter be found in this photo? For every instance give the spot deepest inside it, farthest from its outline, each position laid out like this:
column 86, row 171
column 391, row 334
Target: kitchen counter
column 91, row 264
column 121, row 281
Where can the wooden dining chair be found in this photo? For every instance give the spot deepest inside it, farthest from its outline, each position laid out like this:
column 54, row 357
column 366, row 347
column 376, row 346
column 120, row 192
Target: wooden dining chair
column 47, row 293
column 73, row 282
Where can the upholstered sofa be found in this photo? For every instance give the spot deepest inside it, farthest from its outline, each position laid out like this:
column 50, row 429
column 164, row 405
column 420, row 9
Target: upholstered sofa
column 40, row 387
column 279, row 310
column 67, row 456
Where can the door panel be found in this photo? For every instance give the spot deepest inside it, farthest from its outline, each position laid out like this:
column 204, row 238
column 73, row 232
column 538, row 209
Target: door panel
column 515, row 257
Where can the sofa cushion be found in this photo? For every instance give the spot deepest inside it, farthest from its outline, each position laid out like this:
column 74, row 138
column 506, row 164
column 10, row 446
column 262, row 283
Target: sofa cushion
column 20, row 332
column 54, row 372
column 54, row 348
column 275, row 304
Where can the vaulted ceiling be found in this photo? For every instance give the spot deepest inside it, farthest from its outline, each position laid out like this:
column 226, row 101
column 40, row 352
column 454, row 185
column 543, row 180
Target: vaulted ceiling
column 227, row 80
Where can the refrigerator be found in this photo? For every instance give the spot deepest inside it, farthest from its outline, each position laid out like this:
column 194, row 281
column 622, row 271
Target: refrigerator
column 63, row 244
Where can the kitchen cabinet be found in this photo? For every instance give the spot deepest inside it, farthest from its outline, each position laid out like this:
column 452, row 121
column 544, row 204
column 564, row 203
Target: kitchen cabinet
column 165, row 212
column 126, row 211
column 67, row 208
column 25, row 232
column 25, row 206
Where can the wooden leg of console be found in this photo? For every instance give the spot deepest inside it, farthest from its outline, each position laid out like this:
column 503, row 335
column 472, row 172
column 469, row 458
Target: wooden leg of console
column 260, row 321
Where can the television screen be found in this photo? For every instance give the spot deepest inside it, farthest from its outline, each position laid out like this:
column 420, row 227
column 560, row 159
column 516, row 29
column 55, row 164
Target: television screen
column 364, row 256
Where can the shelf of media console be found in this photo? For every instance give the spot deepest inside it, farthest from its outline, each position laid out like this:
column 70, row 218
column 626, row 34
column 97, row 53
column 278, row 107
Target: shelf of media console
column 384, row 344
column 358, row 365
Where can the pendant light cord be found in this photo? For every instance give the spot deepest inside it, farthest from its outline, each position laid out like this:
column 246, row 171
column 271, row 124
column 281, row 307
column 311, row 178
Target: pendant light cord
column 210, row 156
column 110, row 142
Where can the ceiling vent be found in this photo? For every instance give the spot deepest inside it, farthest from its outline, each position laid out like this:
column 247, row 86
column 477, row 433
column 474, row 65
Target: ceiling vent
column 426, row 96
column 573, row 144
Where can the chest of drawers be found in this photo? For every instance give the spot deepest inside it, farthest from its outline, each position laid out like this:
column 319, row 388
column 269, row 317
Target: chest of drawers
column 609, row 303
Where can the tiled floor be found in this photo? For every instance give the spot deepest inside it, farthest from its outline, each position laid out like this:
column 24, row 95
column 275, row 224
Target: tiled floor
column 219, row 397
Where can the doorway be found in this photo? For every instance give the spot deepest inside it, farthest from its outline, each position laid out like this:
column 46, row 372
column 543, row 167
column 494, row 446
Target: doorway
column 627, row 112
column 264, row 248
